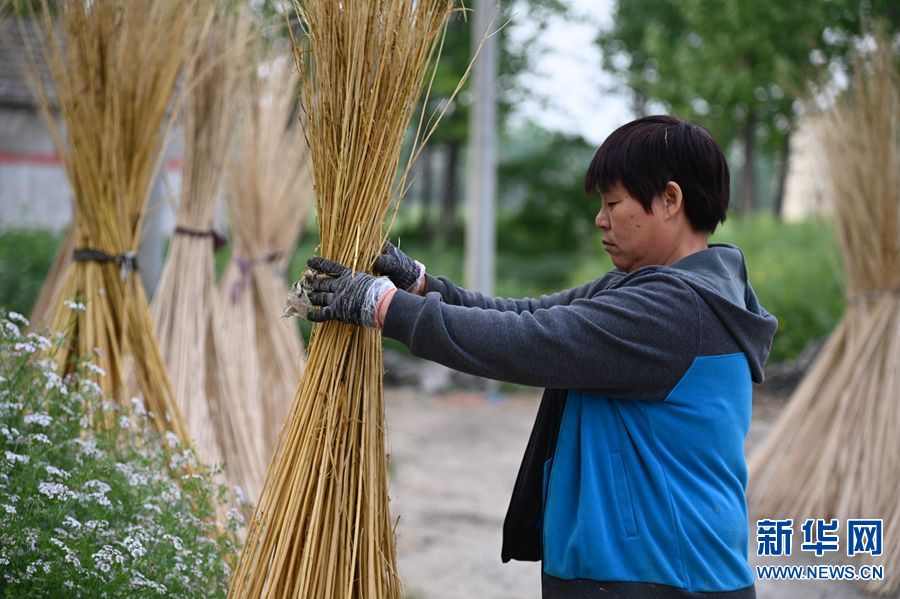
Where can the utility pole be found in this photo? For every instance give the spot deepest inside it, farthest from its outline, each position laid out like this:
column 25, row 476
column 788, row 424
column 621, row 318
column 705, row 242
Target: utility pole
column 482, row 179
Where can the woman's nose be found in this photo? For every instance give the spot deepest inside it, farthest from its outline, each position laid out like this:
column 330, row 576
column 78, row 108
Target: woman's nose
column 601, row 220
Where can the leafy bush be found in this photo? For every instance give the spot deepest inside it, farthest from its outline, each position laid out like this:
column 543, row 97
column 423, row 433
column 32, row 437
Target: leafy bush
column 25, row 259
column 98, row 511
column 797, row 273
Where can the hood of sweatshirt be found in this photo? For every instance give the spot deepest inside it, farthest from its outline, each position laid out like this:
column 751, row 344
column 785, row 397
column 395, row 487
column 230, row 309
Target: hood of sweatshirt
column 719, row 276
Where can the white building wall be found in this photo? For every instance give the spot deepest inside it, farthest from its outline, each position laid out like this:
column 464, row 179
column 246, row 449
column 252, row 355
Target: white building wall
column 34, row 191
column 807, row 191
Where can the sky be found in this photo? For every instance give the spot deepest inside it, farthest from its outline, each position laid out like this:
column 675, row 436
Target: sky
column 573, row 93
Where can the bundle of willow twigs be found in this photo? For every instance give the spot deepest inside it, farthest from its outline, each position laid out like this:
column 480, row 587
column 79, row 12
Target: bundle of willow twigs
column 114, row 75
column 323, row 527
column 183, row 308
column 269, row 194
column 833, row 452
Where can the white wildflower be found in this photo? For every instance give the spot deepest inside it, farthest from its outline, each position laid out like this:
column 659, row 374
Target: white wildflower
column 69, row 584
column 2, row 379
column 38, row 418
column 240, row 495
column 41, row 564
column 134, row 546
column 11, row 434
column 55, row 490
column 40, row 438
column 96, row 525
column 71, row 556
column 31, row 537
column 176, row 542
column 124, row 422
column 87, row 447
column 106, row 557
column 77, row 306
column 71, row 522
column 135, row 479
column 109, row 406
column 152, row 507
column 235, row 517
column 54, row 381
column 138, row 580
column 39, row 341
column 12, row 458
column 9, row 509
column 11, row 329
column 172, row 439
column 26, row 348
column 18, row 318
column 171, row 494
column 138, row 406
column 96, row 369
column 97, row 490
column 91, row 388
column 54, row 471
column 97, row 486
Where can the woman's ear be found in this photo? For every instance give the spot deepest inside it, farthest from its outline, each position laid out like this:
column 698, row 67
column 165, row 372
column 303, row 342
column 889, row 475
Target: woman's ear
column 673, row 200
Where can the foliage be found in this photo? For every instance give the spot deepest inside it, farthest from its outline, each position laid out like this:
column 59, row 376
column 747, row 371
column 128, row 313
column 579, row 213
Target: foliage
column 736, row 67
column 25, row 259
column 797, row 273
column 97, row 511
column 543, row 206
column 724, row 62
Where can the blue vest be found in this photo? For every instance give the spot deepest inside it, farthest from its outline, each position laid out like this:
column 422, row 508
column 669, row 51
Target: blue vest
column 654, row 491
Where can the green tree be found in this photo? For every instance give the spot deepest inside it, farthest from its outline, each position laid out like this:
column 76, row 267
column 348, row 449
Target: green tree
column 451, row 137
column 735, row 66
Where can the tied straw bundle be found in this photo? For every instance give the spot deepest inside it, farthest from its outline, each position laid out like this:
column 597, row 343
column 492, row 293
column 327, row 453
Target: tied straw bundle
column 114, row 76
column 322, row 527
column 269, row 194
column 833, row 452
column 184, row 306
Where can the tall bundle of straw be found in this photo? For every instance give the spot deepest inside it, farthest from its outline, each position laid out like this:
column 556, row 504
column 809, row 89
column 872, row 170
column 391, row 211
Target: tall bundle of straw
column 323, row 527
column 269, row 194
column 833, row 451
column 184, row 305
column 114, row 77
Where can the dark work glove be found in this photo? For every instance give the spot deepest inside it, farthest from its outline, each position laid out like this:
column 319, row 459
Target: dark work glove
column 342, row 295
column 402, row 270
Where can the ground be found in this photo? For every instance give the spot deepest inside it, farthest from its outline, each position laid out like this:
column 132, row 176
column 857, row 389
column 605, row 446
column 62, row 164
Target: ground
column 454, row 459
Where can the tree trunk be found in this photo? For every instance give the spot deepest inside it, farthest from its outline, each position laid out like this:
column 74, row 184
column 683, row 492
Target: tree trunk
column 783, row 174
column 748, row 184
column 447, row 224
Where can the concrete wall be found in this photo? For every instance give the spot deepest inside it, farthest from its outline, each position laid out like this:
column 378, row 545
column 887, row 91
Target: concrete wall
column 34, row 191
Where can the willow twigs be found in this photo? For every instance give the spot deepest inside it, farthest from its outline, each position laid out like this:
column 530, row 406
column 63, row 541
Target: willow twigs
column 114, row 76
column 184, row 307
column 323, row 526
column 269, row 195
column 833, row 452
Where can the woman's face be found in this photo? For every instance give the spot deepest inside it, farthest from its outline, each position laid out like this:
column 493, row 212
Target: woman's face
column 632, row 237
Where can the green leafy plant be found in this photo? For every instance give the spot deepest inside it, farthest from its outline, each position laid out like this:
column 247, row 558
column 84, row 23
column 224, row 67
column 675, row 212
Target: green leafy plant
column 93, row 502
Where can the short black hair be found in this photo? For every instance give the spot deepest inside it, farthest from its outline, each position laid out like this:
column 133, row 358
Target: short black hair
column 645, row 154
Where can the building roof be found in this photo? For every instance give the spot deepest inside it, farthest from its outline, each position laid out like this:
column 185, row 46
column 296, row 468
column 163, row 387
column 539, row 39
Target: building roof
column 15, row 64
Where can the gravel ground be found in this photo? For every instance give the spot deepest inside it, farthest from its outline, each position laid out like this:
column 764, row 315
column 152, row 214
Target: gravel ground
column 454, row 459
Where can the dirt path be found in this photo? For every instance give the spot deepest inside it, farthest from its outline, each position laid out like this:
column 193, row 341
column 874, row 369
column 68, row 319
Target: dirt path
column 454, row 461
